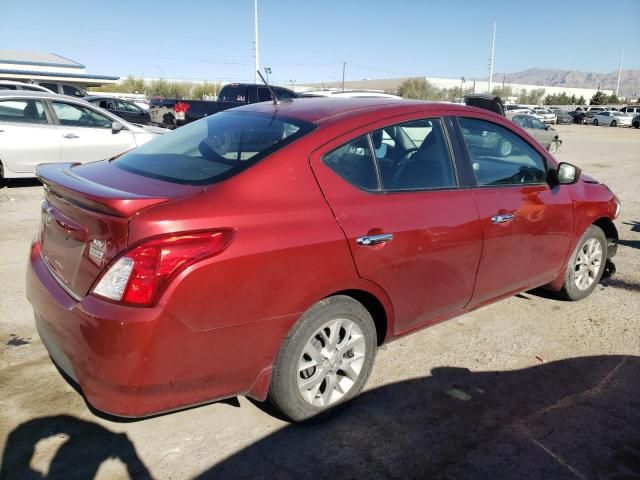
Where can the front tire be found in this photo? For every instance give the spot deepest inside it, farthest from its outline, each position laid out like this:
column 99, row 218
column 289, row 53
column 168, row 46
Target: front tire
column 595, row 123
column 614, row 124
column 586, row 265
column 325, row 360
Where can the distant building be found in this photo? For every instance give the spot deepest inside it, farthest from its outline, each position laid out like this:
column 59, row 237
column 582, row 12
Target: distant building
column 471, row 86
column 47, row 67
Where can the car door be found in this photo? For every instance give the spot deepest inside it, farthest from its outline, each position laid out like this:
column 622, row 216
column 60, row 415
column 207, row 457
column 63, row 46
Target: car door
column 527, row 223
column 411, row 228
column 27, row 136
column 87, row 134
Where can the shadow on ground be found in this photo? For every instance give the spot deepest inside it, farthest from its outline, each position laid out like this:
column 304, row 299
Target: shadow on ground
column 575, row 418
column 19, row 182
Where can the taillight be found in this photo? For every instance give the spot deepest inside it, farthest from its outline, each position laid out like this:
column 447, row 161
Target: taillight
column 181, row 107
column 139, row 275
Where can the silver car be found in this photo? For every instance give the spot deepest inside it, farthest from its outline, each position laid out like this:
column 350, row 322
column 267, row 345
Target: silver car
column 546, row 135
column 40, row 127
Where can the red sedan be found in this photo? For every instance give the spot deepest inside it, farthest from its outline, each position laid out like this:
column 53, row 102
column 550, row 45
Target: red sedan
column 270, row 249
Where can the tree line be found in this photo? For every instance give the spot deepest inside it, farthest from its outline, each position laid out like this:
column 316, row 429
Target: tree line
column 422, row 89
column 164, row 88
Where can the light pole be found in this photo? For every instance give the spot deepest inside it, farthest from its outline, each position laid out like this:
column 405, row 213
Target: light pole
column 493, row 49
column 462, row 80
column 256, row 68
column 267, row 70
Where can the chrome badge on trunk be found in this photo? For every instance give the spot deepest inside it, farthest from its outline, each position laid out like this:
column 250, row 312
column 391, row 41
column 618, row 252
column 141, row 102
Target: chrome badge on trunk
column 97, row 249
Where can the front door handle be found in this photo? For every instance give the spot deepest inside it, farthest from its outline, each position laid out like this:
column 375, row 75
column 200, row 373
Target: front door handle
column 369, row 240
column 507, row 217
column 70, row 135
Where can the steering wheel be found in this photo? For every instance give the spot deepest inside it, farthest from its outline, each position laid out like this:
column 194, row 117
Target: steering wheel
column 524, row 176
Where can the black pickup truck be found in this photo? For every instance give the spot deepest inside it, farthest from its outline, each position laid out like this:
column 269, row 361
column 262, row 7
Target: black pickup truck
column 173, row 113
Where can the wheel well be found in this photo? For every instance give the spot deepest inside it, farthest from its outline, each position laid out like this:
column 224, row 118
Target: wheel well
column 607, row 226
column 375, row 308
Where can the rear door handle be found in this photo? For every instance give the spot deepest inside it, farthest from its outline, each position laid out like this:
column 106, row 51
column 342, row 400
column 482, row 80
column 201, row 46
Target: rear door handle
column 70, row 135
column 507, row 217
column 369, row 240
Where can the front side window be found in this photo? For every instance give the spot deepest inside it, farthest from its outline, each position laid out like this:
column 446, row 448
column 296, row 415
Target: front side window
column 213, row 149
column 499, row 156
column 71, row 115
column 22, row 111
column 535, row 123
column 127, row 107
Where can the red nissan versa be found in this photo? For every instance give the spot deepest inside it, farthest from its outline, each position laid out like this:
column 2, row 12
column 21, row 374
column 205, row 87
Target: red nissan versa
column 270, row 249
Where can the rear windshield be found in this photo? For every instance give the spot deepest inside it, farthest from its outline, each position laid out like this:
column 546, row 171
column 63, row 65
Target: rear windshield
column 214, row 148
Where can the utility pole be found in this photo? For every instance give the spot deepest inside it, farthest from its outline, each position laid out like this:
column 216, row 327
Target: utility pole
column 255, row 43
column 462, row 80
column 344, row 66
column 619, row 72
column 493, row 49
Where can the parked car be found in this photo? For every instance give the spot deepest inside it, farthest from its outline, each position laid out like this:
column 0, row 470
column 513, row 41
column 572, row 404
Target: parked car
column 563, row 117
column 589, row 117
column 631, row 110
column 30, row 87
column 613, row 119
column 40, row 127
column 173, row 113
column 121, row 108
column 636, row 121
column 545, row 115
column 543, row 133
column 64, row 89
column 578, row 116
column 256, row 253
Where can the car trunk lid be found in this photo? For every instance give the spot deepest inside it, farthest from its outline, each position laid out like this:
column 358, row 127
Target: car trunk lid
column 85, row 216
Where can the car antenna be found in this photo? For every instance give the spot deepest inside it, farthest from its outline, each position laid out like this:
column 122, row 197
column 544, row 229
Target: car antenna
column 273, row 92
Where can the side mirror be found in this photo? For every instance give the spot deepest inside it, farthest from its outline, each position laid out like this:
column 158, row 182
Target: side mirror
column 567, row 174
column 116, row 127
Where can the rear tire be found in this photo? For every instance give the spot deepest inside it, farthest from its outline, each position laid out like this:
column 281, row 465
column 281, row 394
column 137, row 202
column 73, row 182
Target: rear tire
column 595, row 123
column 325, row 360
column 614, row 124
column 586, row 265
column 636, row 125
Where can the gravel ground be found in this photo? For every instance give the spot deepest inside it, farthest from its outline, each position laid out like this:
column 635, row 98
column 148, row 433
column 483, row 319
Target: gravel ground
column 530, row 387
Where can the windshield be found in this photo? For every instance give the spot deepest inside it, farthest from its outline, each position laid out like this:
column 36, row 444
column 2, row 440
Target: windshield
column 214, row 148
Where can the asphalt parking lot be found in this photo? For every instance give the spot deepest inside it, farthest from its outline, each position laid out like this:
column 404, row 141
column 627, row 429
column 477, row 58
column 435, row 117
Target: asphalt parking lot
column 530, row 387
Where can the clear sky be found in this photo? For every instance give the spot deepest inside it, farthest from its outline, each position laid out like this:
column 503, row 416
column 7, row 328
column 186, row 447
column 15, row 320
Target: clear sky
column 308, row 40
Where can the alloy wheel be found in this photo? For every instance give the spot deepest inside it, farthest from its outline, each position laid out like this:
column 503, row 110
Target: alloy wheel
column 587, row 264
column 331, row 362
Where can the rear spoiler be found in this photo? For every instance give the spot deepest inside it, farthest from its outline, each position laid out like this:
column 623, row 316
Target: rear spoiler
column 59, row 179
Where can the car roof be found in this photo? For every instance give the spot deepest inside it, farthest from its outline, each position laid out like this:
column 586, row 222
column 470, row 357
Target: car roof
column 30, row 93
column 322, row 109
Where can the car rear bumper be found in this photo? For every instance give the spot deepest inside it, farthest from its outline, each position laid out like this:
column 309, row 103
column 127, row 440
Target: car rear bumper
column 135, row 362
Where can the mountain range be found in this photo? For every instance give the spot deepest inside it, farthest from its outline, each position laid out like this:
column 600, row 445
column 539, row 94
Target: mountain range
column 629, row 80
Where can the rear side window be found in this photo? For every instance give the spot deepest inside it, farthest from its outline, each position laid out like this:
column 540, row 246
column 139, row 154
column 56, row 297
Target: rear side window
column 51, row 86
column 415, row 156
column 233, row 93
column 73, row 91
column 354, row 162
column 213, row 149
column 8, row 87
column 22, row 111
column 499, row 156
